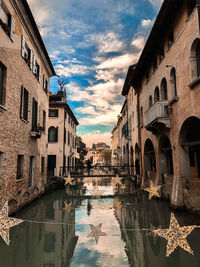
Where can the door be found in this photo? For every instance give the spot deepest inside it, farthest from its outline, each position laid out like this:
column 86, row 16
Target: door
column 51, row 165
column 31, row 171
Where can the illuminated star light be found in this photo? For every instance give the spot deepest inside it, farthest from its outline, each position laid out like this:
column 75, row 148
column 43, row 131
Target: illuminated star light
column 117, row 180
column 79, row 180
column 96, row 232
column 68, row 180
column 6, row 223
column 123, row 187
column 175, row 236
column 153, row 190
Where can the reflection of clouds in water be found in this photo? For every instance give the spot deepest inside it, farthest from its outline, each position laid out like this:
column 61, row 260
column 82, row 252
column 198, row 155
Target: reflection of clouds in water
column 110, row 248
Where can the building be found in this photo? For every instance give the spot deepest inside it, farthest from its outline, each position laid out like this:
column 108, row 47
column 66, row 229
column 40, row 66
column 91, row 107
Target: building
column 166, row 80
column 25, row 70
column 62, row 125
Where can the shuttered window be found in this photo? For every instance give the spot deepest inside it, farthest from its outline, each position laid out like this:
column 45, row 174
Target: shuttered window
column 20, row 163
column 2, row 84
column 53, row 134
column 7, row 21
column 25, row 104
column 34, row 114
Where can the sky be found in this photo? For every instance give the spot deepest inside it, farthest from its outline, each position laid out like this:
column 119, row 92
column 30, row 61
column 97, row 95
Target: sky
column 91, row 44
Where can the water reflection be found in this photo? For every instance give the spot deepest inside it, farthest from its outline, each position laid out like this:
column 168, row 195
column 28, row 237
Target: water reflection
column 121, row 218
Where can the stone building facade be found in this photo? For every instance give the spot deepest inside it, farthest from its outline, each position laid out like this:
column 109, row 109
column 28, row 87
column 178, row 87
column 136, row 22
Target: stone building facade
column 25, row 70
column 62, row 125
column 167, row 82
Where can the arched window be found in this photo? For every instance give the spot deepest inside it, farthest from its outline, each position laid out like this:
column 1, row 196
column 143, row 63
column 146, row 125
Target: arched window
column 163, row 90
column 173, row 82
column 53, row 134
column 150, row 101
column 156, row 95
column 195, row 59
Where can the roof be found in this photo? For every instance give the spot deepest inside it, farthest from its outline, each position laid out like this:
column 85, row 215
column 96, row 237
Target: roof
column 67, row 107
column 34, row 25
column 166, row 16
column 127, row 82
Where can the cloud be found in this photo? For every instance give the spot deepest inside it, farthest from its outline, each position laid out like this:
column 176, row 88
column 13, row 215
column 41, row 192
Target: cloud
column 95, row 137
column 156, row 3
column 72, row 69
column 138, row 42
column 106, row 43
column 147, row 23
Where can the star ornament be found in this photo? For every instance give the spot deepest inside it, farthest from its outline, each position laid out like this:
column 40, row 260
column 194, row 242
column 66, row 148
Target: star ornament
column 123, row 187
column 153, row 190
column 175, row 236
column 6, row 223
column 96, row 232
column 117, row 180
column 68, row 180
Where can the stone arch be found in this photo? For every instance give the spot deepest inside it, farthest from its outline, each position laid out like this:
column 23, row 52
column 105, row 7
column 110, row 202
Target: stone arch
column 149, row 161
column 163, row 90
column 189, row 148
column 173, row 83
column 12, row 204
column 195, row 59
column 156, row 94
column 25, row 196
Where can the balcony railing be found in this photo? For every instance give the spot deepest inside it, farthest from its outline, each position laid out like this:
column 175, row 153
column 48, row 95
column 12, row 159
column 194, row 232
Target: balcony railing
column 157, row 115
column 37, row 131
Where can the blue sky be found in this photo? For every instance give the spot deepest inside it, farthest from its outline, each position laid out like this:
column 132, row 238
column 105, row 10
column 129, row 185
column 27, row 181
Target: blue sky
column 91, row 43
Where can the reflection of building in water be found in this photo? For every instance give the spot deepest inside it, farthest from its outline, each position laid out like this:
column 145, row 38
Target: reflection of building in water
column 45, row 245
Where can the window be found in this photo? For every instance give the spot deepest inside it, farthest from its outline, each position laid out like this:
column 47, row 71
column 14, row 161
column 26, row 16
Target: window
column 20, row 164
column 42, row 165
column 25, row 104
column 34, row 115
column 53, row 134
column 3, row 71
column 44, row 120
column 161, row 54
column 69, row 119
column 31, row 171
column 154, row 64
column 150, row 101
column 68, row 138
column 163, row 90
column 7, row 21
column 1, row 165
column 156, row 95
column 36, row 70
column 170, row 38
column 147, row 77
column 45, row 83
column 198, row 59
column 173, row 82
column 53, row 112
column 195, row 59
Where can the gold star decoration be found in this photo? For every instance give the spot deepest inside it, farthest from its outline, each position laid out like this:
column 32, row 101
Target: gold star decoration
column 153, row 190
column 96, row 232
column 68, row 180
column 6, row 223
column 117, row 180
column 123, row 186
column 68, row 207
column 79, row 180
column 175, row 236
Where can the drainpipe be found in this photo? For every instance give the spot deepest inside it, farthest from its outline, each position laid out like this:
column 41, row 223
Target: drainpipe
column 139, row 135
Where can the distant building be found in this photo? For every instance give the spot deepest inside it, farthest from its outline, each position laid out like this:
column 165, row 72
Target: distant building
column 99, row 154
column 62, row 125
column 25, row 70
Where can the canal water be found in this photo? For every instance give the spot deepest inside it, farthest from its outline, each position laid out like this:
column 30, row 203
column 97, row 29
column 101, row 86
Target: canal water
column 94, row 225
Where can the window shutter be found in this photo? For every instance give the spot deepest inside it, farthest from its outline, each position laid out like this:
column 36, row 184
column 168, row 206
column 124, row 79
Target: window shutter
column 31, row 59
column 39, row 73
column 29, row 107
column 22, row 102
column 33, row 64
column 44, row 82
column 12, row 28
column 57, row 134
column 23, row 46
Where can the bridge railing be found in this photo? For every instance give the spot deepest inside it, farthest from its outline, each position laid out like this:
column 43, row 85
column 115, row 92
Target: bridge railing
column 97, row 170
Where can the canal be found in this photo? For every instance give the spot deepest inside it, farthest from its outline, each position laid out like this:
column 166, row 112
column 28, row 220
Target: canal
column 97, row 226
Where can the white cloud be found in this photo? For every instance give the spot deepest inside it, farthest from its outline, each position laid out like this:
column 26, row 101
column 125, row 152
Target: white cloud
column 72, row 69
column 106, row 43
column 138, row 42
column 147, row 23
column 95, row 137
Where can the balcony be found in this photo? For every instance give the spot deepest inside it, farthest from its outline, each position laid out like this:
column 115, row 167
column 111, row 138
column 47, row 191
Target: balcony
column 157, row 117
column 37, row 131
